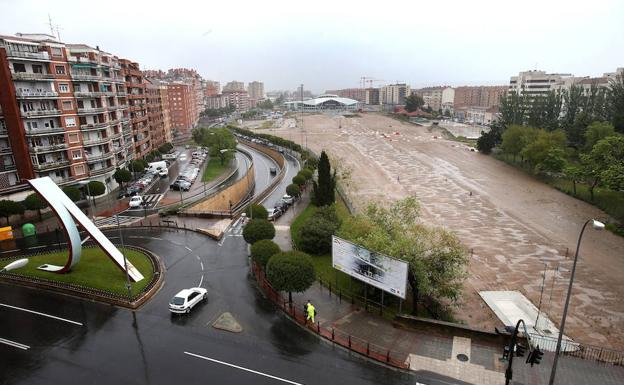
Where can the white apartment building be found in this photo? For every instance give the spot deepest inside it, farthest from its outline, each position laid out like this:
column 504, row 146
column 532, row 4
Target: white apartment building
column 394, row 94
column 535, row 82
column 255, row 90
column 448, row 99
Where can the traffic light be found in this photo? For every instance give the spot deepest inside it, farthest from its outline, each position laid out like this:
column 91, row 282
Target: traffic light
column 520, row 350
column 535, row 356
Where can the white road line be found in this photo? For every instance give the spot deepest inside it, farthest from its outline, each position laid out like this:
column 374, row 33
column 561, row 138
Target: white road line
column 197, row 256
column 202, row 265
column 41, row 314
column 9, row 251
column 241, row 368
column 36, row 247
column 188, row 248
column 14, row 344
column 201, row 280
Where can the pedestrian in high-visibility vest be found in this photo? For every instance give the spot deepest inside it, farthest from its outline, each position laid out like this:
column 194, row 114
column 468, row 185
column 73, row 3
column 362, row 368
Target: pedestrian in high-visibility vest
column 311, row 312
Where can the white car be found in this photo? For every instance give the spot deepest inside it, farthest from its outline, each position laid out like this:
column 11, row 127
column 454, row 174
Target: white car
column 288, row 199
column 136, row 202
column 163, row 173
column 186, row 299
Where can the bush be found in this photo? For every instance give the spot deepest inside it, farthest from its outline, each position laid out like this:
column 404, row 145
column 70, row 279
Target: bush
column 35, row 202
column 72, row 193
column 307, row 173
column 258, row 229
column 256, row 211
column 137, row 165
column 291, row 271
column 298, row 180
column 315, row 235
column 262, row 250
column 293, row 190
column 8, row 208
column 95, row 188
column 122, row 176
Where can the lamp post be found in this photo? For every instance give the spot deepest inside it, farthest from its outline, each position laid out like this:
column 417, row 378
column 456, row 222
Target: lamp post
column 597, row 226
column 15, row 265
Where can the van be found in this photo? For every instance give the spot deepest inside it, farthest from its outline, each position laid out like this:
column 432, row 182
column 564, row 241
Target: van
column 156, row 167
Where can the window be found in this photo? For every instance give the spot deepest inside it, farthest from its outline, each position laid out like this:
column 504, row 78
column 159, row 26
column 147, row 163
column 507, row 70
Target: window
column 76, row 154
column 32, row 125
column 57, row 51
column 64, row 87
column 70, row 122
column 67, row 105
column 60, row 70
column 37, row 68
column 73, row 138
column 79, row 169
column 19, row 67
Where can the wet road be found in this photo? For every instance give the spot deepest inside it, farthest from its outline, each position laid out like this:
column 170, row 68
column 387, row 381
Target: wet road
column 91, row 343
column 292, row 168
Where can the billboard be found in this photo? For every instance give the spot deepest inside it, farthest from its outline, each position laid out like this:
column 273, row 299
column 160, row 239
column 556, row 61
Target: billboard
column 381, row 271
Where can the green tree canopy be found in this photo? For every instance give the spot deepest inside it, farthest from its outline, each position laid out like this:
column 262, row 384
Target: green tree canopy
column 299, row 180
column 537, row 150
column 258, row 229
column 137, row 165
column 257, row 211
column 604, row 162
column 9, row 207
column 315, row 235
column 307, row 173
column 265, row 104
column 73, row 193
column 615, row 102
column 436, row 258
column 35, row 202
column 293, row 190
column 325, row 186
column 290, row 271
column 95, row 188
column 219, row 140
column 413, row 102
column 554, row 162
column 262, row 250
column 597, row 131
column 122, row 176
column 516, row 137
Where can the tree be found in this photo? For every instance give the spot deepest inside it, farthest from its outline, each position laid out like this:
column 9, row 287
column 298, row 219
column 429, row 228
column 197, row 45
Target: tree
column 299, row 180
column 413, row 102
column 257, row 211
column 137, row 165
column 575, row 173
column 265, row 104
column 615, row 102
column 324, row 188
column 436, row 258
column 94, row 188
column 258, row 229
column 487, row 141
column 73, row 193
column 307, row 173
column 263, row 250
column 513, row 109
column 597, row 131
column 122, row 176
column 554, row 162
column 516, row 137
column 220, row 141
column 315, row 235
column 9, row 207
column 604, row 161
column 290, row 271
column 537, row 150
column 34, row 202
column 293, row 190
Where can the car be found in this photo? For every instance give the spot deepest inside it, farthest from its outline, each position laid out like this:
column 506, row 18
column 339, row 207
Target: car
column 136, row 202
column 187, row 299
column 274, row 213
column 273, row 170
column 288, row 199
column 181, row 184
column 187, row 146
column 122, row 193
column 133, row 190
column 163, row 173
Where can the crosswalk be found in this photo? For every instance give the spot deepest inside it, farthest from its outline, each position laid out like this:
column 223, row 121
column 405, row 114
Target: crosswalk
column 151, row 200
column 112, row 221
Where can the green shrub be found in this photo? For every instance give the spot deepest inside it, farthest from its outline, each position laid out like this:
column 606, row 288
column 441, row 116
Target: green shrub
column 256, row 211
column 291, row 271
column 315, row 236
column 258, row 229
column 293, row 190
column 262, row 250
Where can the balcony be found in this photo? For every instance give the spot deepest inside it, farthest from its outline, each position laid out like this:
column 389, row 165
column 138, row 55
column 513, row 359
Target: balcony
column 8, row 167
column 28, row 55
column 101, row 171
column 81, row 59
column 94, row 126
column 85, row 77
column 93, row 142
column 28, row 94
column 99, row 157
column 48, row 148
column 31, row 76
column 115, row 136
column 44, row 131
column 86, row 111
column 88, row 94
column 51, row 165
column 40, row 112
column 3, row 132
column 122, row 94
column 6, row 150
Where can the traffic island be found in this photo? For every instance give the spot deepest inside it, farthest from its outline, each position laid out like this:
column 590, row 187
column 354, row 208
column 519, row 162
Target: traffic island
column 95, row 277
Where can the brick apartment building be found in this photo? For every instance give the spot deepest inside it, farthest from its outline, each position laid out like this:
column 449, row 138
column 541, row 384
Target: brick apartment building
column 358, row 94
column 479, row 96
column 181, row 106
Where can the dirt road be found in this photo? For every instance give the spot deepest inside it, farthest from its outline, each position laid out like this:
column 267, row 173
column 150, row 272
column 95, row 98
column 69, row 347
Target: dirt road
column 515, row 225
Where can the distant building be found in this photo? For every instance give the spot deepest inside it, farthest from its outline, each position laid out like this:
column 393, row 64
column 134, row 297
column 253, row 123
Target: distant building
column 432, row 96
column 481, row 96
column 181, row 101
column 358, row 94
column 533, row 83
column 394, row 94
column 216, row 101
column 234, row 86
column 448, row 100
column 372, row 97
column 324, row 102
column 476, row 114
column 212, row 88
column 255, row 90
column 238, row 99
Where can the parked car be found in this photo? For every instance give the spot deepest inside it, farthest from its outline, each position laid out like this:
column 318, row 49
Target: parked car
column 180, row 184
column 274, row 213
column 133, row 190
column 187, row 299
column 163, row 173
column 273, row 170
column 122, row 193
column 288, row 199
column 136, row 202
column 283, row 206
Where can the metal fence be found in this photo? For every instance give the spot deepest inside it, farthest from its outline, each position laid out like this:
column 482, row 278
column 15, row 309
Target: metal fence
column 580, row 350
column 355, row 344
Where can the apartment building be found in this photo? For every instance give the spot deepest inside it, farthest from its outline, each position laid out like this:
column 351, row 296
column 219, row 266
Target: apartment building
column 166, row 109
column 372, row 96
column 394, row 94
column 234, row 86
column 216, row 101
column 137, row 101
column 479, row 96
column 238, row 99
column 64, row 112
column 358, row 94
column 181, row 106
column 155, row 113
column 255, row 90
column 211, row 88
column 432, row 96
column 535, row 82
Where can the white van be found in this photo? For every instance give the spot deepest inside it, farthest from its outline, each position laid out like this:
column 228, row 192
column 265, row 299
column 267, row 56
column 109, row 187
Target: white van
column 156, row 167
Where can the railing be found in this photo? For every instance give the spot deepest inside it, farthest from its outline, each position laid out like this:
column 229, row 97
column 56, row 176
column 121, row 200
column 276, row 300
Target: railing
column 96, row 110
column 88, row 94
column 6, row 150
column 50, row 112
column 295, row 311
column 43, row 131
column 580, row 350
column 36, row 94
column 50, row 165
column 31, row 76
column 99, row 157
column 49, row 148
column 91, row 142
column 28, row 55
column 94, row 126
column 101, row 171
column 86, row 77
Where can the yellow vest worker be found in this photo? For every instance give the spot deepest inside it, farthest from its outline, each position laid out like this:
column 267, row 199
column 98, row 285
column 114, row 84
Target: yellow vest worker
column 311, row 311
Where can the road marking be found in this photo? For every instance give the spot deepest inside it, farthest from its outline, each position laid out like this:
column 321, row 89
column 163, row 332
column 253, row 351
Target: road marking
column 197, row 256
column 188, row 248
column 14, row 344
column 241, row 368
column 201, row 280
column 202, row 265
column 41, row 314
column 9, row 251
column 35, row 247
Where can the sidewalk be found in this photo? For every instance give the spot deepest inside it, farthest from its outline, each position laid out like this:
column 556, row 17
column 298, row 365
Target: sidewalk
column 421, row 350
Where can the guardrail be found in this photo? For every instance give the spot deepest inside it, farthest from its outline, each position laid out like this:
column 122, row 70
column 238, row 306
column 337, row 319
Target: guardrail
column 581, row 350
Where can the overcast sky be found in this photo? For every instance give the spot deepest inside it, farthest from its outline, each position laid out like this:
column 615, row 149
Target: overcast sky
column 331, row 44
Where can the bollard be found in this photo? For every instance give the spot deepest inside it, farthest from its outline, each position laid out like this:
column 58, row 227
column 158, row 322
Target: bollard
column 318, row 327
column 340, row 295
column 388, row 356
column 349, row 341
column 333, row 335
column 330, row 290
column 368, row 348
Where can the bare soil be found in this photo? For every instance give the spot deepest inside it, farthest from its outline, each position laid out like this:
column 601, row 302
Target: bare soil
column 514, row 225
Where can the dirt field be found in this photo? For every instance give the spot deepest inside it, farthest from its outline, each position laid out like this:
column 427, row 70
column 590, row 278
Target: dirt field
column 515, row 225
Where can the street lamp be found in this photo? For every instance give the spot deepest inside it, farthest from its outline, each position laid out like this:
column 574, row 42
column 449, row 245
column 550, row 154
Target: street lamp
column 15, row 265
column 597, row 226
